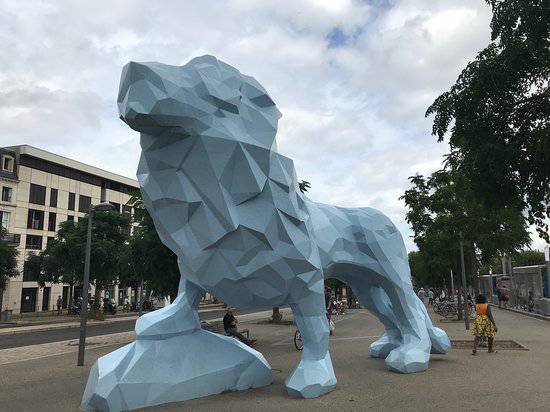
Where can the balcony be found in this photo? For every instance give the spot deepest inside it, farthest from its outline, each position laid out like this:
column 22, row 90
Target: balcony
column 13, row 238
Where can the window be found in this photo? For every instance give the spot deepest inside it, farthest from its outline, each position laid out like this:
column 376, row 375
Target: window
column 50, row 240
column 116, row 205
column 7, row 193
column 5, row 219
column 51, row 221
column 35, row 219
column 70, row 218
column 53, row 197
column 84, row 203
column 34, row 242
column 126, row 209
column 28, row 276
column 7, row 163
column 71, row 201
column 37, row 195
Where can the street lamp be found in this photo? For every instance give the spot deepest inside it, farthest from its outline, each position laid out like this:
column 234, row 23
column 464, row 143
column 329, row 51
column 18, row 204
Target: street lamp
column 101, row 207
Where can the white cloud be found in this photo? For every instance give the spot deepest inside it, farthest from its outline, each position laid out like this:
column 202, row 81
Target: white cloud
column 353, row 115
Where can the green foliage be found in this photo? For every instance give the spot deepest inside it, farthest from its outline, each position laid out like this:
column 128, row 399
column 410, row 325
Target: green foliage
column 497, row 114
column 8, row 260
column 426, row 271
column 146, row 257
column 528, row 258
column 442, row 210
column 63, row 259
column 116, row 256
column 334, row 283
column 304, row 185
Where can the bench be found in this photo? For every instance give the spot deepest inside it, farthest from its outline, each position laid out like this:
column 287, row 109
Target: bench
column 217, row 327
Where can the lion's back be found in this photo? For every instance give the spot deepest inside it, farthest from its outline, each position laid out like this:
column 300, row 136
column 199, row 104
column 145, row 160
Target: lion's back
column 359, row 236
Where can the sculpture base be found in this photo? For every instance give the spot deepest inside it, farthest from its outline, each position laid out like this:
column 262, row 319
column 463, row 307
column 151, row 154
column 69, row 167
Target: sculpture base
column 151, row 372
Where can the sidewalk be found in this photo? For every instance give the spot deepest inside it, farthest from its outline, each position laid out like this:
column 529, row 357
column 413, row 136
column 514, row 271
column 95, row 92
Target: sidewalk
column 66, row 321
column 522, row 312
column 25, row 353
column 458, row 381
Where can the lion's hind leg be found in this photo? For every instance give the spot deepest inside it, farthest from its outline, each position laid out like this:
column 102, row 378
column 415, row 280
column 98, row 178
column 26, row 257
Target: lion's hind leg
column 413, row 355
column 375, row 300
column 439, row 339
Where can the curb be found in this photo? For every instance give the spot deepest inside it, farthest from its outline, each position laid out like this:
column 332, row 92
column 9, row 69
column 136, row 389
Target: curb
column 75, row 318
column 74, row 325
column 67, row 325
column 530, row 314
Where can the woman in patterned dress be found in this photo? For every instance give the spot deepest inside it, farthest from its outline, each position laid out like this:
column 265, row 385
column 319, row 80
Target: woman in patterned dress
column 484, row 325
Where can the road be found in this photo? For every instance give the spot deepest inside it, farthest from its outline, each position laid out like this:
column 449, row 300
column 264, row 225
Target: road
column 56, row 335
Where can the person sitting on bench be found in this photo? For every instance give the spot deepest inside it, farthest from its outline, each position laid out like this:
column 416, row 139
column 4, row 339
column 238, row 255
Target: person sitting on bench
column 230, row 326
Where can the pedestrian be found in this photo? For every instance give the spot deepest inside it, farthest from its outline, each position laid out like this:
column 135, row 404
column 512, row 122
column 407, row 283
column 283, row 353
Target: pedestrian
column 59, row 305
column 230, row 326
column 502, row 297
column 431, row 297
column 421, row 294
column 484, row 325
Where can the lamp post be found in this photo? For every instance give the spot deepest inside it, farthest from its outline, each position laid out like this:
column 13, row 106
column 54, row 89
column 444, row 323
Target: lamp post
column 101, row 207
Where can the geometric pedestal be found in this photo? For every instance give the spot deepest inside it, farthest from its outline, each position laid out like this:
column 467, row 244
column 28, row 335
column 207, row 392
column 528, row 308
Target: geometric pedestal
column 149, row 372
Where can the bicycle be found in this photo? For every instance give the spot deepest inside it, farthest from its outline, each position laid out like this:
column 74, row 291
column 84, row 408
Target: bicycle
column 298, row 343
column 449, row 309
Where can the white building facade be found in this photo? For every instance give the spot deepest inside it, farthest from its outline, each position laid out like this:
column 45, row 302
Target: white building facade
column 39, row 190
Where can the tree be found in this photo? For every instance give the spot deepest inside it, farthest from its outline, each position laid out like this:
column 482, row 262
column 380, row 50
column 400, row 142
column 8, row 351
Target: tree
column 528, row 258
column 63, row 259
column 421, row 270
column 497, row 114
column 146, row 257
column 304, row 185
column 443, row 209
column 8, row 263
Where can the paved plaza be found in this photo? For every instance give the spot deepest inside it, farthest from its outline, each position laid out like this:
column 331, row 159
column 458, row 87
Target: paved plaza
column 510, row 380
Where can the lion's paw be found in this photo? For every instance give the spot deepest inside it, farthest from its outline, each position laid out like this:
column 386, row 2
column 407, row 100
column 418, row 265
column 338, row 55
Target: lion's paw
column 383, row 346
column 312, row 378
column 409, row 358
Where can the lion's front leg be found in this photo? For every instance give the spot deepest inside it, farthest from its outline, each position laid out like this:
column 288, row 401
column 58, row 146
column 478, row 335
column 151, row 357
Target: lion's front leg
column 173, row 359
column 314, row 375
column 180, row 317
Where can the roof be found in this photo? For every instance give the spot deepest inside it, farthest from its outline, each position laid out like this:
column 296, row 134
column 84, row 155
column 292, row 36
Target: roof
column 70, row 163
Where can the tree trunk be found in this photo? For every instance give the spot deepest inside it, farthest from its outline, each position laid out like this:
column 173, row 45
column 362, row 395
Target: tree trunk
column 1, row 302
column 276, row 317
column 140, row 298
column 98, row 290
column 458, row 290
column 459, row 306
column 70, row 302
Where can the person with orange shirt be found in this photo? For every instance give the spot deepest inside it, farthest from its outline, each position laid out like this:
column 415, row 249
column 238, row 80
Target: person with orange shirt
column 484, row 325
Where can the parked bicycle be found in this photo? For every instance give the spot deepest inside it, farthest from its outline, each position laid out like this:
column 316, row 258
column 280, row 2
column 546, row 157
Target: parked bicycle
column 449, row 309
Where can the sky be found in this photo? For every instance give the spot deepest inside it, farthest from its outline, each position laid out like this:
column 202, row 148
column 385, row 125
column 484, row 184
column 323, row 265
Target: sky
column 353, row 79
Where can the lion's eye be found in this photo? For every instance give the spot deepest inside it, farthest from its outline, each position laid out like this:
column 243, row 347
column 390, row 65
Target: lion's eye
column 262, row 101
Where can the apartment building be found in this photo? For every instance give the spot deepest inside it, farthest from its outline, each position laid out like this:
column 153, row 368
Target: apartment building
column 39, row 190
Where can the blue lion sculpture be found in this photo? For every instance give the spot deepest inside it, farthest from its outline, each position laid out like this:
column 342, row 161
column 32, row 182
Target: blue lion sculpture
column 228, row 205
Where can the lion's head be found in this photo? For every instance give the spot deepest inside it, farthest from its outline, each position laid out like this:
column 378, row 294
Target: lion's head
column 157, row 99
